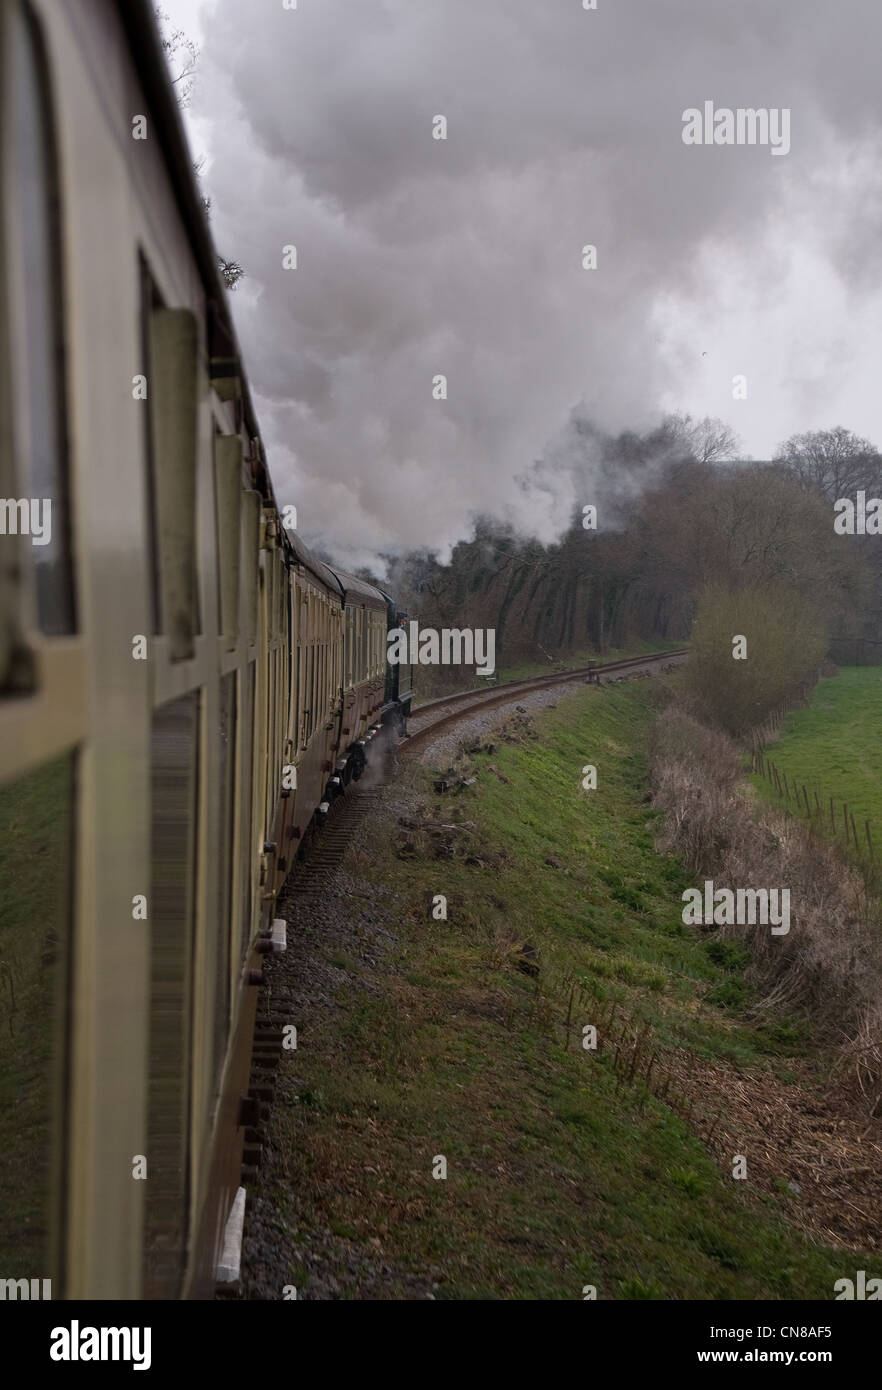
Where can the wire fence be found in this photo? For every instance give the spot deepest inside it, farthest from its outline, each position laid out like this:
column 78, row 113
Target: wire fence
column 830, row 818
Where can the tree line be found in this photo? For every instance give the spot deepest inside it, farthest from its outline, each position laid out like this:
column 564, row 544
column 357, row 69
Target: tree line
column 691, row 544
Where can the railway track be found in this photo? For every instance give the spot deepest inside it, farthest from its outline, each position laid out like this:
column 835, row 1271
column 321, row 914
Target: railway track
column 323, row 854
column 312, row 878
column 450, row 708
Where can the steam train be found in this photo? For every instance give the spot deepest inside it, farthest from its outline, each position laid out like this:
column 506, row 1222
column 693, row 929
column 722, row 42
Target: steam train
column 183, row 685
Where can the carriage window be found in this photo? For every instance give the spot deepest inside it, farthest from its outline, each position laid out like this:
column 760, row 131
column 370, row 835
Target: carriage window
column 36, row 855
column 228, row 502
column 362, row 643
column 40, row 509
column 300, row 672
column 269, row 580
column 174, row 783
column 311, row 711
column 245, row 857
column 270, row 732
column 172, row 394
column 290, row 600
column 250, row 504
column 150, row 300
column 227, row 773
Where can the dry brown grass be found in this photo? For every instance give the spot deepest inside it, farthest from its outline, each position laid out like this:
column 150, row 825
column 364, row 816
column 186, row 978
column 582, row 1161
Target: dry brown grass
column 828, row 968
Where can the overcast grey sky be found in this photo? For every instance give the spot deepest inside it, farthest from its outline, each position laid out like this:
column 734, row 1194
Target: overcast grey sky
column 463, row 257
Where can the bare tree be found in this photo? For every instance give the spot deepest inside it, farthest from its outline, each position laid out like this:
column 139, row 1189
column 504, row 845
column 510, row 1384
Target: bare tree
column 230, row 272
column 708, row 440
column 181, row 55
column 833, row 462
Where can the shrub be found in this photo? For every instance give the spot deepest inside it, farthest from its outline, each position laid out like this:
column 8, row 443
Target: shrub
column 786, row 642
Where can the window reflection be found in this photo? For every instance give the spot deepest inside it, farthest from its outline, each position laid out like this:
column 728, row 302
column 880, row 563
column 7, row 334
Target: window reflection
column 35, row 283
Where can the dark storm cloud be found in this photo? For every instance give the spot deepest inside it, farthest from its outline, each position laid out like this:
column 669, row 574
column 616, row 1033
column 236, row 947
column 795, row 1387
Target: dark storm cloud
column 463, row 257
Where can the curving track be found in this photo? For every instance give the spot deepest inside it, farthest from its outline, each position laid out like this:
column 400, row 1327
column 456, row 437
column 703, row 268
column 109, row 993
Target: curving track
column 440, row 714
column 308, row 883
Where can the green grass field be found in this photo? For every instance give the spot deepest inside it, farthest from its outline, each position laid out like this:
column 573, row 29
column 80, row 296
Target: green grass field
column 562, row 1171
column 834, row 747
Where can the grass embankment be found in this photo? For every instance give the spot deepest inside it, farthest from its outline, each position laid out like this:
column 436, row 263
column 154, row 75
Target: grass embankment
column 833, row 746
column 562, row 1170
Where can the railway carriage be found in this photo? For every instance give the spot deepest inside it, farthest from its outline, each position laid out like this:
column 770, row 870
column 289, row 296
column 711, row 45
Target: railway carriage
column 364, row 677
column 182, row 685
